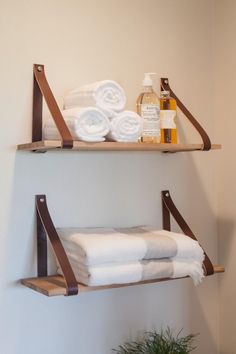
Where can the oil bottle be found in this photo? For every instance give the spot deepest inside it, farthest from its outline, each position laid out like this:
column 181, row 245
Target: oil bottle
column 168, row 109
column 148, row 107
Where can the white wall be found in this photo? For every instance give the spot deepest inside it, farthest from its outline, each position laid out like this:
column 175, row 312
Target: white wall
column 225, row 81
column 81, row 41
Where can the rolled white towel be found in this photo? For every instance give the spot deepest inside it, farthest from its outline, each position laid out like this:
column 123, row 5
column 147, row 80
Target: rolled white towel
column 86, row 124
column 106, row 95
column 125, row 127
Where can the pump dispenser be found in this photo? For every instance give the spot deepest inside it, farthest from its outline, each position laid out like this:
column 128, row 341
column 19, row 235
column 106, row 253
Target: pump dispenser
column 148, row 107
column 147, row 81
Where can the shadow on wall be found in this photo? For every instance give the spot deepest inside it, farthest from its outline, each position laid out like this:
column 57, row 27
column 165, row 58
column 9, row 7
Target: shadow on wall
column 227, row 229
column 115, row 189
column 227, row 246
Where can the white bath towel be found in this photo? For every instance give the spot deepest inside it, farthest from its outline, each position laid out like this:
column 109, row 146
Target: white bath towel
column 106, row 95
column 86, row 124
column 103, row 245
column 121, row 273
column 186, row 246
column 125, row 127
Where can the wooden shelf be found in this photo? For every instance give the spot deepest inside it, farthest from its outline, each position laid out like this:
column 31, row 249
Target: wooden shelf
column 46, row 145
column 55, row 284
column 42, row 90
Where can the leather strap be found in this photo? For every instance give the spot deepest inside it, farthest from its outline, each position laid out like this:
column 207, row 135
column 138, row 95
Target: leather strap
column 45, row 227
column 205, row 138
column 37, row 113
column 168, row 207
column 42, row 250
column 41, row 88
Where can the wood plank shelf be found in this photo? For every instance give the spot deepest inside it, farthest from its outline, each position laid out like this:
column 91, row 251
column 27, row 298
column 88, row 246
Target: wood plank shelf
column 46, row 145
column 54, row 285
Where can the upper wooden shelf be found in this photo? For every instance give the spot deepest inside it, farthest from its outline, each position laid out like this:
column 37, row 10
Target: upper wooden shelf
column 46, row 145
column 41, row 89
column 55, row 284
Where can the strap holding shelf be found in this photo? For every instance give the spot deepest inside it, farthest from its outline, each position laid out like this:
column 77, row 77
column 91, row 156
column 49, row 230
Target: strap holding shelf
column 41, row 89
column 206, row 140
column 168, row 207
column 45, row 228
column 42, row 250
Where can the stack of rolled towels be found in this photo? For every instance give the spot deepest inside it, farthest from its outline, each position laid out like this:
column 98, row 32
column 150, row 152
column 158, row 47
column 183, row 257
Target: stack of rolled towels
column 105, row 256
column 96, row 112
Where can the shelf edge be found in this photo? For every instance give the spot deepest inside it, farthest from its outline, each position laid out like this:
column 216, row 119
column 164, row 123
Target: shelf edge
column 46, row 145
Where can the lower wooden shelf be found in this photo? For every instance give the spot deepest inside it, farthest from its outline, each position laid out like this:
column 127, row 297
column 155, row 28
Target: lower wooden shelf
column 55, row 284
column 46, row 145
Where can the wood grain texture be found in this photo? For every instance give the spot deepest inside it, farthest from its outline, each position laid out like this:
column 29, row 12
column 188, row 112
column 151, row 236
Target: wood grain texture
column 112, row 146
column 55, row 284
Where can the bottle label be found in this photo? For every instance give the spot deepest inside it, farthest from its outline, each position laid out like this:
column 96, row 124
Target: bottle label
column 151, row 119
column 168, row 119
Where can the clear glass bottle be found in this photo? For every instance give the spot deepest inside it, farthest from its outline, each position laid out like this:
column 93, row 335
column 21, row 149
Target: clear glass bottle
column 148, row 107
column 168, row 113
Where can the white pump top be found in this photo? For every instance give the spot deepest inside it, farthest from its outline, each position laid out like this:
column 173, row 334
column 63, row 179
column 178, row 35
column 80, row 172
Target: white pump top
column 147, row 81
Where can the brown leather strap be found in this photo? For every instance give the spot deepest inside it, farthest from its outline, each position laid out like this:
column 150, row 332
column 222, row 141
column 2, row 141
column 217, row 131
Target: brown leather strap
column 37, row 113
column 168, row 208
column 206, row 140
column 45, row 226
column 42, row 250
column 41, row 88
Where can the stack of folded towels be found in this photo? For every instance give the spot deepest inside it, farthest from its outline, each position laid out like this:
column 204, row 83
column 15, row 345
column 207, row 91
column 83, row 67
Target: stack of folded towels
column 104, row 256
column 96, row 112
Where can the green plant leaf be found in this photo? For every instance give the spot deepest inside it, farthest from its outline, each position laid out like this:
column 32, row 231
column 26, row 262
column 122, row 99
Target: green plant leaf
column 164, row 342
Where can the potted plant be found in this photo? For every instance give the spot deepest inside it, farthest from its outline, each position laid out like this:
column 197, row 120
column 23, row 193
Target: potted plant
column 164, row 342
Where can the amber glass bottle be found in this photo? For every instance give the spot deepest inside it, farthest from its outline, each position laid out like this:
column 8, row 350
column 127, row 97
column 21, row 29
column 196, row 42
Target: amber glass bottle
column 168, row 108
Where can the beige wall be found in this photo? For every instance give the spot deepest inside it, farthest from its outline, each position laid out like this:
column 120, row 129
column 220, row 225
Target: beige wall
column 225, row 82
column 81, row 41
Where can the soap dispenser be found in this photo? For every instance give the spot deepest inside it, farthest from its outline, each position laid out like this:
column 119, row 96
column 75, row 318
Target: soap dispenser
column 148, row 107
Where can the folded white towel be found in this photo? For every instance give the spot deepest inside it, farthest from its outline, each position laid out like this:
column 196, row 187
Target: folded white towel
column 94, row 246
column 106, row 95
column 121, row 273
column 86, row 124
column 108, row 274
column 125, row 127
column 102, row 245
column 184, row 267
column 186, row 246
